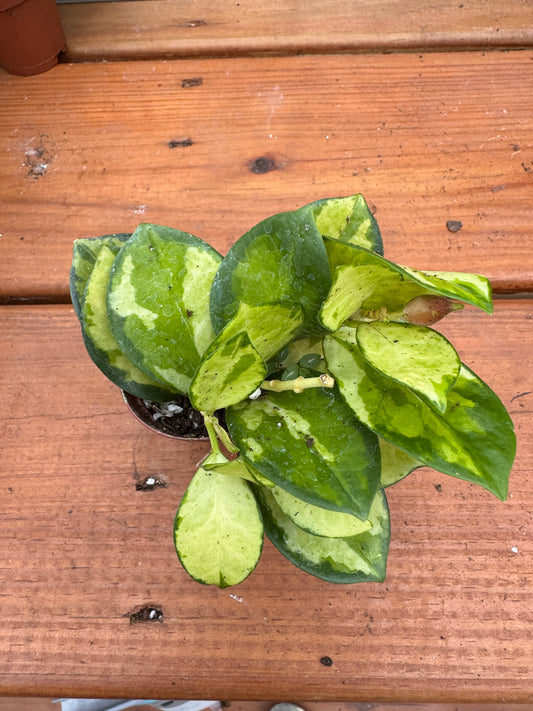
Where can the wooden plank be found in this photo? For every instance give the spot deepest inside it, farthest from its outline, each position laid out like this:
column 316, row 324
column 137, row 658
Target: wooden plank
column 81, row 549
column 192, row 28
column 90, row 149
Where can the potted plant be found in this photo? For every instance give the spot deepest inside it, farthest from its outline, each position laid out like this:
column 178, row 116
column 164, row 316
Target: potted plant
column 319, row 353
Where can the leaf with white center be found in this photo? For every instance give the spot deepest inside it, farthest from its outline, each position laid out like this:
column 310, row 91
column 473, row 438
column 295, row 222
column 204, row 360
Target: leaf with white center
column 311, row 445
column 368, row 284
column 218, row 532
column 348, row 219
column 269, row 327
column 100, row 342
column 473, row 440
column 317, row 520
column 416, row 356
column 227, row 375
column 355, row 559
column 84, row 254
column 280, row 260
column 158, row 302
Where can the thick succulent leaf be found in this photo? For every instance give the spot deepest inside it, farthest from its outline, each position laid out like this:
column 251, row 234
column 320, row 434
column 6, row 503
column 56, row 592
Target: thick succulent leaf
column 282, row 259
column 158, row 302
column 357, row 559
column 348, row 219
column 227, row 375
column 472, row 440
column 317, row 520
column 395, row 463
column 101, row 344
column 218, row 532
column 311, row 445
column 269, row 326
column 416, row 356
column 366, row 282
column 84, row 253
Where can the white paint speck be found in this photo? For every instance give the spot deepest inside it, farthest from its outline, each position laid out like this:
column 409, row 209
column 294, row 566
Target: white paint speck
column 236, row 597
column 514, row 549
column 140, row 210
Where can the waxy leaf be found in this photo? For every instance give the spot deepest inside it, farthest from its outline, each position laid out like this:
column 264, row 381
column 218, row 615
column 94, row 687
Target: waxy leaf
column 395, row 463
column 368, row 285
column 316, row 520
column 416, row 356
column 228, row 375
column 282, row 259
column 101, row 344
column 361, row 558
column 218, row 532
column 158, row 302
column 311, row 445
column 269, row 327
column 85, row 252
column 348, row 219
column 473, row 440
column 238, row 467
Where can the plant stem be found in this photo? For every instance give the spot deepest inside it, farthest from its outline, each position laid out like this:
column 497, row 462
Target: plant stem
column 299, row 384
column 211, row 431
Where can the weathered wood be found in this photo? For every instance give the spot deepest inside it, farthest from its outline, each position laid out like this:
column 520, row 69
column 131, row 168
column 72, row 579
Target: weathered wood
column 81, row 550
column 90, row 149
column 165, row 28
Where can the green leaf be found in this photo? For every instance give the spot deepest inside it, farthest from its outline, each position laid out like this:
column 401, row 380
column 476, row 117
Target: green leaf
column 269, row 326
column 367, row 283
column 238, row 467
column 473, row 440
column 158, row 302
column 84, row 255
column 317, row 520
column 282, row 259
column 416, row 356
column 100, row 342
column 348, row 219
column 361, row 558
column 311, row 445
column 218, row 532
column 228, row 375
column 395, row 463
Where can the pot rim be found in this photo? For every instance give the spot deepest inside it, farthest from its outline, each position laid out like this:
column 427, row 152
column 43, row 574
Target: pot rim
column 134, row 405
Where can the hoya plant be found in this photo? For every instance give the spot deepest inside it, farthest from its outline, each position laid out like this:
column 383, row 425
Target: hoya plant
column 312, row 361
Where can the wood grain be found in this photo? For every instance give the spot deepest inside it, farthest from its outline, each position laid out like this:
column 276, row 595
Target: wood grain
column 192, row 28
column 81, row 550
column 89, row 149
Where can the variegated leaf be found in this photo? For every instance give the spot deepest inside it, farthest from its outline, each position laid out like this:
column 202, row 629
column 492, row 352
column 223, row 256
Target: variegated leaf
column 361, row 558
column 473, row 440
column 282, row 259
column 84, row 255
column 418, row 357
column 158, row 302
column 368, row 285
column 348, row 219
column 227, row 375
column 218, row 531
column 311, row 445
column 99, row 340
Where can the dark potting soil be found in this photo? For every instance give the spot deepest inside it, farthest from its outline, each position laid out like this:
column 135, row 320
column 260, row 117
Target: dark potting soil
column 177, row 417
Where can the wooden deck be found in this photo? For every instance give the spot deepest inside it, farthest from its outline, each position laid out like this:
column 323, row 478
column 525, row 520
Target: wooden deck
column 427, row 109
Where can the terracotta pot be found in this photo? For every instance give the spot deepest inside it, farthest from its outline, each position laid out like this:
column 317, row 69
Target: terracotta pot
column 31, row 35
column 164, row 425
